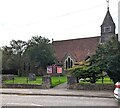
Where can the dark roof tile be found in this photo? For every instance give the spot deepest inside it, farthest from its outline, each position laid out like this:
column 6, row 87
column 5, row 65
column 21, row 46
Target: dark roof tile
column 79, row 48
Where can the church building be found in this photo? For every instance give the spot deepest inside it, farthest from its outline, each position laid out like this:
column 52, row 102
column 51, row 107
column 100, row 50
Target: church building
column 68, row 52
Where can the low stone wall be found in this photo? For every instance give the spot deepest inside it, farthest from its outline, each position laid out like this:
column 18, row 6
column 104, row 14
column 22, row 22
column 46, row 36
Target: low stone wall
column 92, row 86
column 46, row 84
column 7, row 77
column 22, row 86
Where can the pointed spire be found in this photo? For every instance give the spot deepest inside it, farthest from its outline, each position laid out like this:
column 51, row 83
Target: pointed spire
column 108, row 26
column 108, row 18
column 107, row 4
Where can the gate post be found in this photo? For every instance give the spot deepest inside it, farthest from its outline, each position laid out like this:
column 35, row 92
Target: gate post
column 71, row 80
column 46, row 82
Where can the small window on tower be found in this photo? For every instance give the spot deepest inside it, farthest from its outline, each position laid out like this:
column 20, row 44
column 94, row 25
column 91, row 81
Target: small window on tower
column 107, row 29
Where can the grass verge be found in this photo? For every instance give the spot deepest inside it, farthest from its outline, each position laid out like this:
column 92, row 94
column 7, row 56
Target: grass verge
column 106, row 80
column 56, row 80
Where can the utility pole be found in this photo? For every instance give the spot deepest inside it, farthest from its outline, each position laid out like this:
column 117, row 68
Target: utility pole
column 0, row 66
column 119, row 21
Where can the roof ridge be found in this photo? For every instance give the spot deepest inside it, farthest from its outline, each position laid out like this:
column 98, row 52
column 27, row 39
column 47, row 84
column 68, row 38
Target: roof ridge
column 77, row 39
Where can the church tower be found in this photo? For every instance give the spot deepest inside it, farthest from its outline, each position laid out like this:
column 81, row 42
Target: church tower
column 107, row 27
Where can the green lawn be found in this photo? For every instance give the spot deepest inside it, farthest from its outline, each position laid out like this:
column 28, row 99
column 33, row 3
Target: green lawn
column 23, row 80
column 106, row 80
column 58, row 80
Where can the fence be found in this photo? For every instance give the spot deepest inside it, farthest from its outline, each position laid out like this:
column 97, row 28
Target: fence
column 25, row 82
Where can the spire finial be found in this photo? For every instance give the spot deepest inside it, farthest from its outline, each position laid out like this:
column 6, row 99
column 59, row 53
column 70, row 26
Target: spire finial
column 107, row 4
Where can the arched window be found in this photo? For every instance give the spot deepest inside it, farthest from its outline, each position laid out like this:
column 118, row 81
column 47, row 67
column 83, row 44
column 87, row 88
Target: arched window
column 66, row 64
column 71, row 63
column 69, row 66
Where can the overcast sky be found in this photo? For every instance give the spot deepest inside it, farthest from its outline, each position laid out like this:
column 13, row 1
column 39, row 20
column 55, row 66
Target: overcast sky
column 57, row 19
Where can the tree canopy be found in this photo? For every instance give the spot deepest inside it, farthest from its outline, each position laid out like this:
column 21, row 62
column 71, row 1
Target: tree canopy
column 37, row 52
column 41, row 51
column 86, row 71
column 107, row 58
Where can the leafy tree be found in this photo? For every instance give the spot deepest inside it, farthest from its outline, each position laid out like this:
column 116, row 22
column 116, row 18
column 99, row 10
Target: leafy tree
column 21, row 55
column 86, row 71
column 7, row 55
column 40, row 52
column 107, row 58
column 18, row 47
column 12, row 56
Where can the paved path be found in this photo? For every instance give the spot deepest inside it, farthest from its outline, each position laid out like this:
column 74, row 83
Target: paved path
column 59, row 92
column 61, row 86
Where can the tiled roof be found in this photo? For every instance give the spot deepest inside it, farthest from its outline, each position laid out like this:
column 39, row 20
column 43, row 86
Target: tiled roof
column 79, row 48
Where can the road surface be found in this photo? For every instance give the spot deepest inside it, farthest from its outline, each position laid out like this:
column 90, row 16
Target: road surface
column 33, row 100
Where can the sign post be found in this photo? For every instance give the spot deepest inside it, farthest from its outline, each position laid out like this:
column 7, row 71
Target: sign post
column 59, row 71
column 49, row 69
